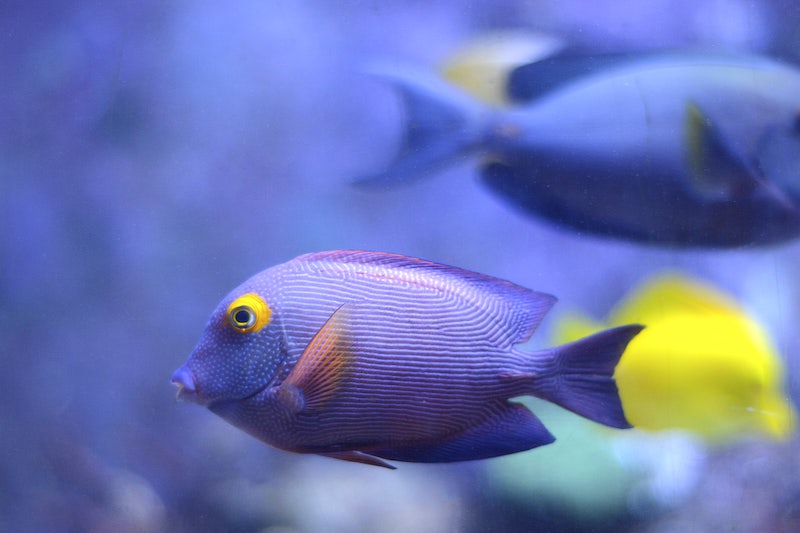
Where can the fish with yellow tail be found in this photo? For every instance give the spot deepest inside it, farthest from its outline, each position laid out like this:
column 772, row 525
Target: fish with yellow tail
column 701, row 365
column 373, row 357
column 678, row 149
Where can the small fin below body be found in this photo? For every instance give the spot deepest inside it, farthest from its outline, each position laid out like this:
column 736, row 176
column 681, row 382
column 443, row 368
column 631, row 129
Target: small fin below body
column 511, row 429
column 359, row 457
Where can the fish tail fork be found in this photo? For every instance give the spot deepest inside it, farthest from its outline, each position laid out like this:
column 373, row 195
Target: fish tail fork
column 580, row 377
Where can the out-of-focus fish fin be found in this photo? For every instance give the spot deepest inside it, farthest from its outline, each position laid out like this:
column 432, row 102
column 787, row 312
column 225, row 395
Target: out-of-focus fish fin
column 778, row 155
column 360, row 457
column 442, row 123
column 718, row 170
column 534, row 80
column 779, row 416
column 482, row 66
column 670, row 293
column 580, row 377
column 322, row 366
column 511, row 428
column 575, row 326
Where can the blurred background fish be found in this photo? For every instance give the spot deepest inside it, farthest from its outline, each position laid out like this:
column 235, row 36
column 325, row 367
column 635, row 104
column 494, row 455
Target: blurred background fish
column 682, row 149
column 365, row 356
column 702, row 364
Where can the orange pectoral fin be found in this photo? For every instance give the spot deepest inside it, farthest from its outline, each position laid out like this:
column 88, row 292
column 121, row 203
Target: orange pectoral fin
column 324, row 363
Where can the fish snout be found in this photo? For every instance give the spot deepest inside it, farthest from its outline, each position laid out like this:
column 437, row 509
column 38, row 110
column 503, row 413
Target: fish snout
column 184, row 381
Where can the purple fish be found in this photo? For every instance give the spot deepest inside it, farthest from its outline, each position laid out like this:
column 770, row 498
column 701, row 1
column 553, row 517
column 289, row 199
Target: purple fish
column 367, row 356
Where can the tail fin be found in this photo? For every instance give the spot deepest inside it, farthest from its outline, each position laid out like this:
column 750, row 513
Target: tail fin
column 442, row 124
column 582, row 379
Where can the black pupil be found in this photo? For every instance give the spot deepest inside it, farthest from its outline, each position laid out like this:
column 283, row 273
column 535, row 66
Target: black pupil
column 242, row 317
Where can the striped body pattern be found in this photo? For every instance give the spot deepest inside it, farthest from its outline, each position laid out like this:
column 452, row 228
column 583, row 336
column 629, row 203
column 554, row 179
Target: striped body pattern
column 370, row 356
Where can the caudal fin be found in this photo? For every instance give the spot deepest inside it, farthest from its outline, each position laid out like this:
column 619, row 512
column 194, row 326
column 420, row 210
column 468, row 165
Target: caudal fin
column 442, row 123
column 582, row 376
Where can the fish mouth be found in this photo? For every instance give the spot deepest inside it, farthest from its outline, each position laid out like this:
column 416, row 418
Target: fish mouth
column 184, row 380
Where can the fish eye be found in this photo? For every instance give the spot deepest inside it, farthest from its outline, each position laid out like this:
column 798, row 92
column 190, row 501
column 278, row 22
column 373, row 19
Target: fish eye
column 242, row 317
column 249, row 313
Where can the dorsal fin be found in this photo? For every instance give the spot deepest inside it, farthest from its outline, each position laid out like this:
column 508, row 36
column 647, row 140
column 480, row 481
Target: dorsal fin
column 526, row 307
column 531, row 81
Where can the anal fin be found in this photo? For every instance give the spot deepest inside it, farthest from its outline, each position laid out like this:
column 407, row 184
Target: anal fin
column 359, row 457
column 513, row 428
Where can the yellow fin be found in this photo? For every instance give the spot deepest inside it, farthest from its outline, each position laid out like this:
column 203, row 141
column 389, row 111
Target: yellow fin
column 575, row 326
column 324, row 363
column 671, row 293
column 779, row 417
column 482, row 66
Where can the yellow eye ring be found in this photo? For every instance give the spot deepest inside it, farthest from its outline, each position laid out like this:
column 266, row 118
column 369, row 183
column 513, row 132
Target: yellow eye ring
column 248, row 313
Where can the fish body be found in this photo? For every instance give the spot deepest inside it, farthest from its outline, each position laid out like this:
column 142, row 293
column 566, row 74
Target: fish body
column 677, row 149
column 371, row 356
column 701, row 365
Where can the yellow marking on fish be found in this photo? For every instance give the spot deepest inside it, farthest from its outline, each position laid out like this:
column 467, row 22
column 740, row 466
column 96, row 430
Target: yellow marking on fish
column 482, row 66
column 248, row 313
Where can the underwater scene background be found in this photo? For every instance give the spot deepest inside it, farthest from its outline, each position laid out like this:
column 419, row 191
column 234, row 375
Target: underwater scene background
column 153, row 156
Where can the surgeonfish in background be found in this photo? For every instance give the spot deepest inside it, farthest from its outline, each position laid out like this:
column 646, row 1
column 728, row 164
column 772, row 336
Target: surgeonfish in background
column 368, row 356
column 701, row 364
column 672, row 149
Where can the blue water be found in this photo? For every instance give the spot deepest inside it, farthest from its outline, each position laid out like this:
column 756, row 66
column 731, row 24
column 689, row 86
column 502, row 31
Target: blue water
column 153, row 156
